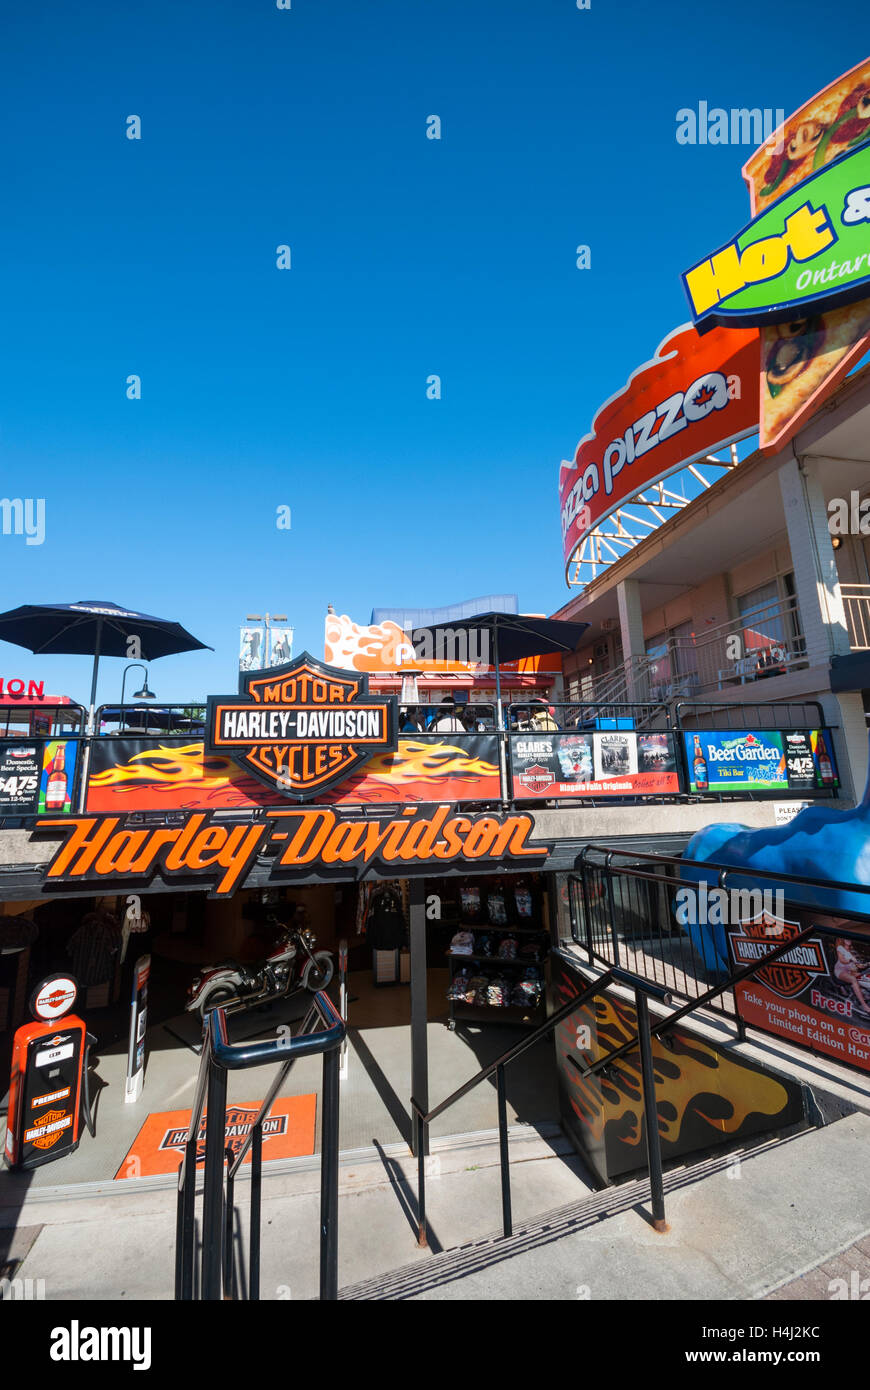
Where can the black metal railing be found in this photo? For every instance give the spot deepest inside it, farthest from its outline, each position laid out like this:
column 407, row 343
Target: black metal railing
column 661, row 734
column 748, row 714
column 640, row 1041
column 587, row 716
column 423, row 1119
column 622, row 912
column 217, row 1271
column 644, row 968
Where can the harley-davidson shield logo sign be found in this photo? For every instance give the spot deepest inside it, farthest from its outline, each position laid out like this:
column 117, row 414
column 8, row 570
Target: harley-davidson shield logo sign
column 302, row 727
column 792, row 972
column 537, row 778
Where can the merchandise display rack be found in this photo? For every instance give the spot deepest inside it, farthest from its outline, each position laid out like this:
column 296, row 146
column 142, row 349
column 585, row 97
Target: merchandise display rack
column 532, row 1014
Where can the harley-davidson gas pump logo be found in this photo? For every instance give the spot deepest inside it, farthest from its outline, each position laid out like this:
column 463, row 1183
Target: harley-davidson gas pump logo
column 790, row 974
column 302, row 727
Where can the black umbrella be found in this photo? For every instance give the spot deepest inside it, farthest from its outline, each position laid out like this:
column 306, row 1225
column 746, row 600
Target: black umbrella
column 94, row 627
column 514, row 635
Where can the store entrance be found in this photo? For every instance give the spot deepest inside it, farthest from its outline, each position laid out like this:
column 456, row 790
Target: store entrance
column 486, row 948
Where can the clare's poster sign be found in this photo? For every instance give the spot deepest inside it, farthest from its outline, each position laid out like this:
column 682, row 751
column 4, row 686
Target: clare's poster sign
column 210, row 848
column 695, row 395
column 808, row 251
column 303, row 727
column 593, row 764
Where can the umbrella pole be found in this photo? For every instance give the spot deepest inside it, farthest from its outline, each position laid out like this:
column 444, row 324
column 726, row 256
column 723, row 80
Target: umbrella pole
column 502, row 735
column 92, row 706
column 91, row 722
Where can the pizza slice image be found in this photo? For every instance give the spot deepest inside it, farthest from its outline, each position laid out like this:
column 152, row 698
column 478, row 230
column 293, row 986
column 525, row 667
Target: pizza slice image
column 837, row 119
column 802, row 362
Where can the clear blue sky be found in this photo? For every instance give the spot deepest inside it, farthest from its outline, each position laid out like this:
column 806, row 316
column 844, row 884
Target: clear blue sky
column 409, row 257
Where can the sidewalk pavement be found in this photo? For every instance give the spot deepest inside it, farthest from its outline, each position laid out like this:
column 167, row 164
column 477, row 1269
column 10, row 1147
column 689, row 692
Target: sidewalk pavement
column 740, row 1226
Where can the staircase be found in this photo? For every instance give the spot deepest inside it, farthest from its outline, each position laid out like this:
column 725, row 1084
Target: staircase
column 741, row 1226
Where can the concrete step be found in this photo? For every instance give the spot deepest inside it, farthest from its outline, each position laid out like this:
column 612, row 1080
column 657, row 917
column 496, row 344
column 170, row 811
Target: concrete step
column 740, row 1226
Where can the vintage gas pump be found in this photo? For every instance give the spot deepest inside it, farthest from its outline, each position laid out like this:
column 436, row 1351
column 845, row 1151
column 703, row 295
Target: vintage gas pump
column 48, row 1093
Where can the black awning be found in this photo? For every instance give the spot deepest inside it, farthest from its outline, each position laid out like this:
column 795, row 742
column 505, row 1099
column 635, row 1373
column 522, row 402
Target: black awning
column 850, row 672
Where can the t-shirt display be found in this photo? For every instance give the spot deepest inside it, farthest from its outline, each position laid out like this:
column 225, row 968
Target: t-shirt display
column 498, row 955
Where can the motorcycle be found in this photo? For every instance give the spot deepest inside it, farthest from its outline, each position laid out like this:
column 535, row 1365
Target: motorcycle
column 292, row 965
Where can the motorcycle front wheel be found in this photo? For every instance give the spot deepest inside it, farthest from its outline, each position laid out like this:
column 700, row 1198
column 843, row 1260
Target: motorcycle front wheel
column 318, row 973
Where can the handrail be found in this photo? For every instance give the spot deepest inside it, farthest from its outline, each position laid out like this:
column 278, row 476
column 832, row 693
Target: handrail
column 498, row 1066
column 237, row 1056
column 665, row 1025
column 728, row 707
column 218, row 1057
column 518, row 1048
column 262, row 1113
column 744, row 871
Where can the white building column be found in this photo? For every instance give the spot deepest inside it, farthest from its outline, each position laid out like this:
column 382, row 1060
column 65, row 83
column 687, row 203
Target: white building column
column 821, row 606
column 631, row 630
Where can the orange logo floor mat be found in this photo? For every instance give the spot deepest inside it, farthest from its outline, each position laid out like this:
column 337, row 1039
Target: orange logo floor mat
column 159, row 1146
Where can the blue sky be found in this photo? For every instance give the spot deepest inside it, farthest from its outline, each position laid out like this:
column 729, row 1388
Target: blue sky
column 307, row 387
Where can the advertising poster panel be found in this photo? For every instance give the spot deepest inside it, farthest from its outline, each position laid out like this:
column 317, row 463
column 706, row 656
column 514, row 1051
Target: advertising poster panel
column 38, row 777
column 756, row 760
column 593, row 764
column 817, row 995
column 143, row 774
column 804, row 360
column 138, row 1024
column 58, row 777
column 20, row 771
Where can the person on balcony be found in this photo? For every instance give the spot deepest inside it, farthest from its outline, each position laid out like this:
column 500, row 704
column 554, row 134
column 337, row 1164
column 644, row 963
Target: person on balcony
column 542, row 720
column 447, row 722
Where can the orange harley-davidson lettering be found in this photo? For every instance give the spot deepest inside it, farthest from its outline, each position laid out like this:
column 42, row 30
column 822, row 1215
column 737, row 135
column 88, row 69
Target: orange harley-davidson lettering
column 98, row 848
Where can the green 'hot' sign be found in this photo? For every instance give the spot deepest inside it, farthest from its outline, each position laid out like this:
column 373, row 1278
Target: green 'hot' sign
column 810, row 247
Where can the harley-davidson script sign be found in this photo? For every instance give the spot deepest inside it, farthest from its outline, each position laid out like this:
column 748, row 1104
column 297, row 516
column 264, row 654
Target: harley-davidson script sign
column 302, row 727
column 299, row 841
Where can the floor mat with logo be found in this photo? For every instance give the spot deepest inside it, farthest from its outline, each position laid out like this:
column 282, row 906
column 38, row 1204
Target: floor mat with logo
column 159, row 1146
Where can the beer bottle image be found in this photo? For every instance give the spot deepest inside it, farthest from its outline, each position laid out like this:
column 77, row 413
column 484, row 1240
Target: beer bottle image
column 824, row 770
column 699, row 767
column 55, row 787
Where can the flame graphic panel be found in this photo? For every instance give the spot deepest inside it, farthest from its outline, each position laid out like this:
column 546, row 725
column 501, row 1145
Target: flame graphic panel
column 704, row 1095
column 134, row 775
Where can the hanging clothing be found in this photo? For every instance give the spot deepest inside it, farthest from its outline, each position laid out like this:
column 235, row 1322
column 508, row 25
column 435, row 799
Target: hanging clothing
column 385, row 924
column 93, row 948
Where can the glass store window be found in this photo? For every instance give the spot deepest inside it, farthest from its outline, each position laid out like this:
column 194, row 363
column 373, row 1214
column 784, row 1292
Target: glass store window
column 770, row 625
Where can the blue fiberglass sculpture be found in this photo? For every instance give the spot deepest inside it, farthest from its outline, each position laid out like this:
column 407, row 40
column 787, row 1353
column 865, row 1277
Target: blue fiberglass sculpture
column 820, row 843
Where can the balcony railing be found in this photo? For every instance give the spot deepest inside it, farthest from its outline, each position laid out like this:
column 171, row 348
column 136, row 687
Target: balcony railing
column 856, row 607
column 751, row 647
